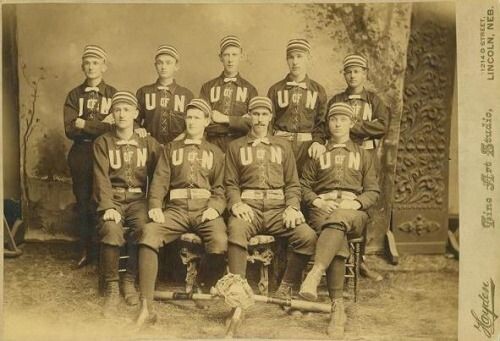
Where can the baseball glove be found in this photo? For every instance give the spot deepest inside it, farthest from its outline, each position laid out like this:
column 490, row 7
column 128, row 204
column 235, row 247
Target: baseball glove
column 235, row 290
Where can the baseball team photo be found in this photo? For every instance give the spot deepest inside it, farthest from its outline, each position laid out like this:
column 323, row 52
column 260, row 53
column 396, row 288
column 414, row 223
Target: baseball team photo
column 207, row 171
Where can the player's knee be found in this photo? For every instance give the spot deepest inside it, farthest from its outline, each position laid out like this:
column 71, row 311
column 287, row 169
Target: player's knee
column 111, row 233
column 218, row 243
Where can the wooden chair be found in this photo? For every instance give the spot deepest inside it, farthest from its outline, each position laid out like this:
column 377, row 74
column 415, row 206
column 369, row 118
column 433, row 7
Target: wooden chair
column 260, row 250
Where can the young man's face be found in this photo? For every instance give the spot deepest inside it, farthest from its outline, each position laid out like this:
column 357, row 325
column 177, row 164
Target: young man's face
column 230, row 59
column 166, row 66
column 355, row 76
column 261, row 117
column 340, row 126
column 196, row 122
column 93, row 67
column 298, row 62
column 124, row 114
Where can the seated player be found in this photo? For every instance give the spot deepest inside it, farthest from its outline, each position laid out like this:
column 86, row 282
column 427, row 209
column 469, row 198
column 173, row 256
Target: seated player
column 191, row 172
column 263, row 192
column 123, row 161
column 338, row 188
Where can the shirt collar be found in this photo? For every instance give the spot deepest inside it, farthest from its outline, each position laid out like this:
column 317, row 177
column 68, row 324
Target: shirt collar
column 251, row 138
column 238, row 78
column 306, row 80
column 101, row 86
column 171, row 86
column 363, row 95
column 133, row 140
column 349, row 145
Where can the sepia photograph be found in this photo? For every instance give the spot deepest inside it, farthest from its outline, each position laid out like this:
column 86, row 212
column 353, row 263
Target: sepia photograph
column 233, row 170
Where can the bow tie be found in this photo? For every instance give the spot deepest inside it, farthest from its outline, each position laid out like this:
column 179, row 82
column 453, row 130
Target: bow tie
column 354, row 97
column 302, row 85
column 161, row 87
column 92, row 88
column 229, row 79
column 129, row 143
column 264, row 140
column 192, row 141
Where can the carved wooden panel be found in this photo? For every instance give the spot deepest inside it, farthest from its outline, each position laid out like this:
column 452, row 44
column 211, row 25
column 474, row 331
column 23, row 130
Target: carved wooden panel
column 420, row 196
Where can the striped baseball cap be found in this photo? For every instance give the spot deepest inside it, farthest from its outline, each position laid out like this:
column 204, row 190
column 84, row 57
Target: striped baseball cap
column 200, row 103
column 298, row 45
column 340, row 108
column 124, row 97
column 355, row 60
column 168, row 50
column 230, row 40
column 260, row 102
column 94, row 51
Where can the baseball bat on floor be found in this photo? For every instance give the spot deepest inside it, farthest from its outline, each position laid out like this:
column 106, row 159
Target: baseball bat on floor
column 294, row 304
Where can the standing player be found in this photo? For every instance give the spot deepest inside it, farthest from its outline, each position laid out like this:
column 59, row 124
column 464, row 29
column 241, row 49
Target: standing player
column 263, row 192
column 371, row 117
column 123, row 163
column 85, row 118
column 228, row 96
column 299, row 104
column 162, row 105
column 338, row 188
column 191, row 172
column 370, row 113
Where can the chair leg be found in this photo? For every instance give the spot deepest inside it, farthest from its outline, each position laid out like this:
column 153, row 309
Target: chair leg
column 264, row 279
column 357, row 264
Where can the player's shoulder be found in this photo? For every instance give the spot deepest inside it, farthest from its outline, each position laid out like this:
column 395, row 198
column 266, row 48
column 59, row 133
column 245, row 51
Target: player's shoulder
column 278, row 85
column 182, row 90
column 146, row 88
column 236, row 144
column 104, row 139
column 246, row 82
column 278, row 141
column 213, row 148
column 316, row 84
column 212, row 82
column 109, row 89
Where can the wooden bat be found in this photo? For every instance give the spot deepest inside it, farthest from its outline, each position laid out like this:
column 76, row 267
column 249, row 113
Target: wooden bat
column 294, row 304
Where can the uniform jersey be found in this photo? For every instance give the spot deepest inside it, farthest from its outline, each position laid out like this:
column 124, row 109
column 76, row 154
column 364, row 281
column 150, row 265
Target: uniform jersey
column 189, row 165
column 299, row 108
column 230, row 96
column 346, row 167
column 371, row 114
column 123, row 164
column 91, row 104
column 269, row 164
column 162, row 110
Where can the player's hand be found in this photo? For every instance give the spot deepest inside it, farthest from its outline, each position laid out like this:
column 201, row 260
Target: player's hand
column 181, row 136
column 219, row 117
column 112, row 214
column 348, row 204
column 292, row 217
column 141, row 132
column 316, row 150
column 79, row 123
column 243, row 211
column 209, row 214
column 326, row 205
column 156, row 215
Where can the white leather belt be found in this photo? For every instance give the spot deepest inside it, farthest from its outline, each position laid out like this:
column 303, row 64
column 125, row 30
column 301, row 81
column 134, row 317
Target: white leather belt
column 258, row 194
column 334, row 195
column 370, row 144
column 190, row 193
column 300, row 137
column 127, row 189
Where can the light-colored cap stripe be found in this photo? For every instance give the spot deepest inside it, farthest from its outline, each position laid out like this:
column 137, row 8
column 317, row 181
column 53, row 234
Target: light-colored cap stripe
column 169, row 50
column 200, row 103
column 259, row 102
column 229, row 41
column 340, row 108
column 94, row 51
column 298, row 45
column 355, row 60
column 124, row 97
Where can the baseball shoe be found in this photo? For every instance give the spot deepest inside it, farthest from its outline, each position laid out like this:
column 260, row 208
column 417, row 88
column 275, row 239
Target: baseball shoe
column 338, row 319
column 129, row 291
column 284, row 291
column 309, row 288
column 112, row 298
column 365, row 271
column 146, row 314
